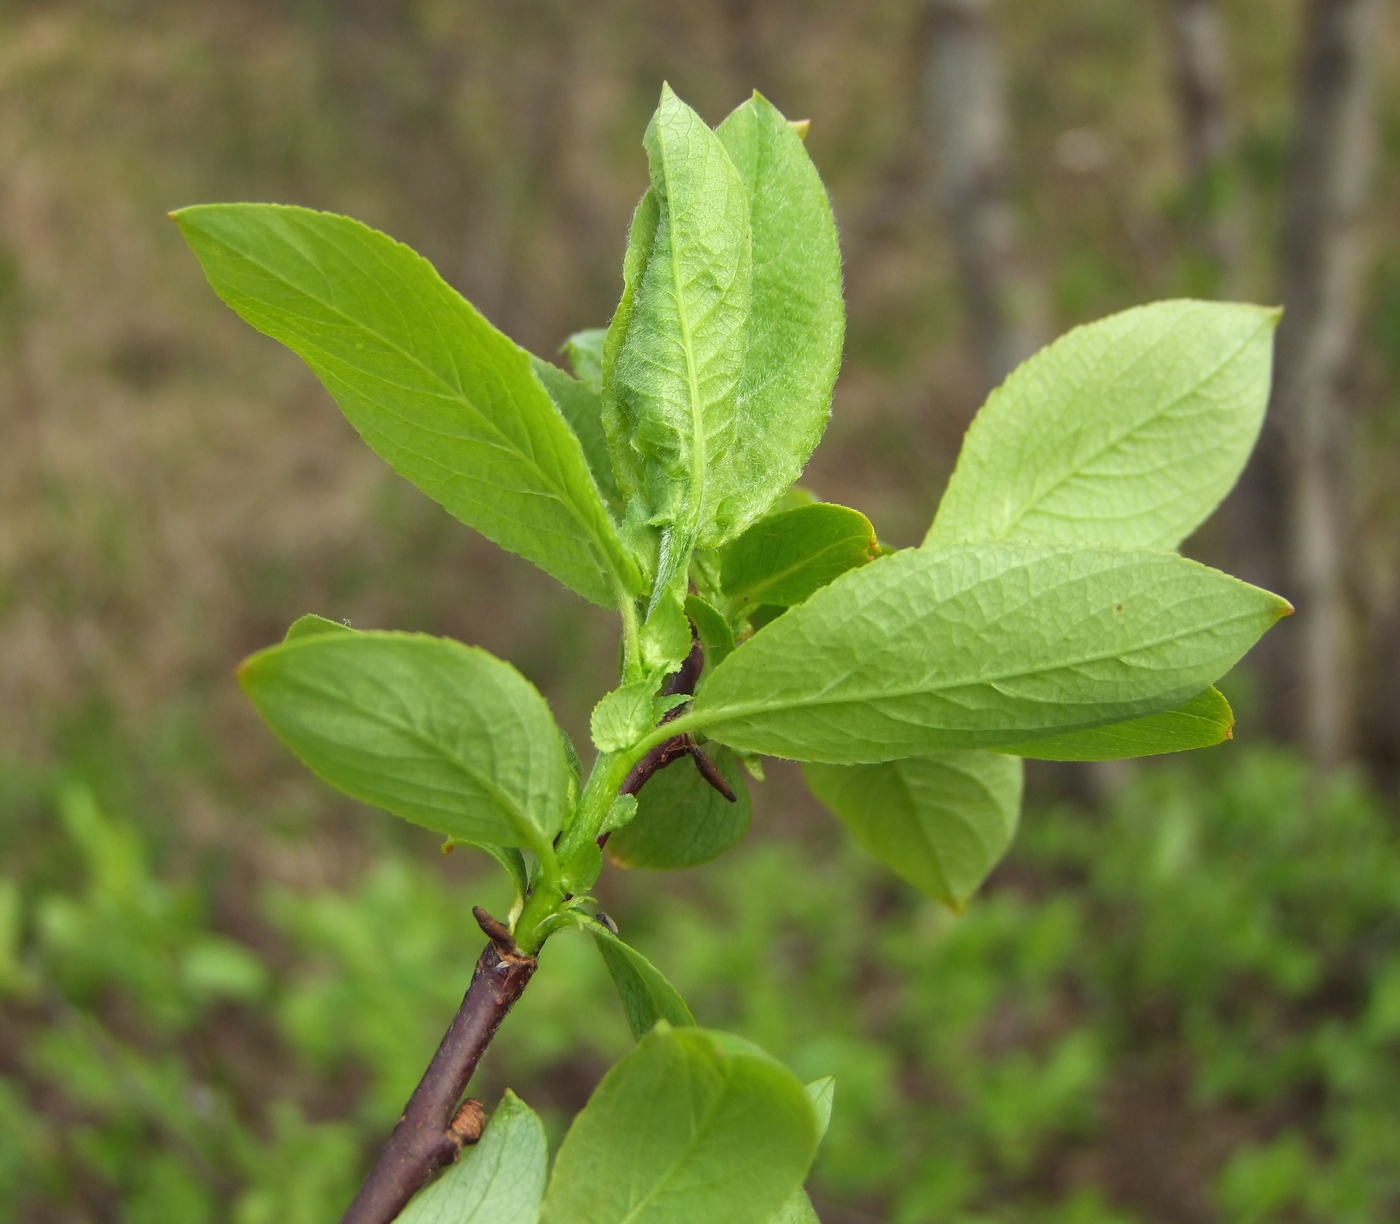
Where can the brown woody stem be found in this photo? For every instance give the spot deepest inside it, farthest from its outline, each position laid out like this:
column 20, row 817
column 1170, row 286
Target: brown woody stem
column 433, row 1128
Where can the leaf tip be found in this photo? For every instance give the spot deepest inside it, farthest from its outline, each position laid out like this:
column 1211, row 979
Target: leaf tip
column 801, row 127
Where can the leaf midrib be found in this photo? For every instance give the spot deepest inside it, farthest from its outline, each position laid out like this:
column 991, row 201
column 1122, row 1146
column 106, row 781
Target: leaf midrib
column 698, row 717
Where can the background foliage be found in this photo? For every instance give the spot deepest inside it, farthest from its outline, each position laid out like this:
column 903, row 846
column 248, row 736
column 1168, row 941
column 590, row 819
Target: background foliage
column 1179, row 1001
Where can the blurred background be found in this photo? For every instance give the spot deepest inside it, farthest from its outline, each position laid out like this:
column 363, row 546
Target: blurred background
column 1179, row 998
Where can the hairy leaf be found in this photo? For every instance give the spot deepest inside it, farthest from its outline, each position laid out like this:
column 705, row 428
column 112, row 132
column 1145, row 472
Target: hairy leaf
column 585, row 352
column 646, row 996
column 979, row 646
column 784, row 558
column 675, row 352
column 692, row 1127
column 442, row 734
column 498, row 1181
column 1203, row 721
column 798, row 320
column 449, row 402
column 1127, row 431
column 681, row 819
column 941, row 821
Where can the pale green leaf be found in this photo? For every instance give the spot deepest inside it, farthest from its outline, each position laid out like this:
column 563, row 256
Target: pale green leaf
column 1127, row 431
column 798, row 320
column 692, row 1127
column 675, row 352
column 979, row 646
column 311, row 624
column 439, row 733
column 1203, row 721
column 623, row 717
column 941, row 821
column 498, row 1181
column 716, row 637
column 784, row 558
column 581, row 405
column 585, row 352
column 681, row 819
column 448, row 401
column 822, row 1094
column 646, row 995
column 797, row 1210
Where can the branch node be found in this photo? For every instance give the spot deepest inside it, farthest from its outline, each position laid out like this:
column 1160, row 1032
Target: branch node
column 497, row 931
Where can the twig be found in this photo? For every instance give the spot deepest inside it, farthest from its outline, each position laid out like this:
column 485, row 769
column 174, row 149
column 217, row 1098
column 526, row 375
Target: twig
column 433, row 1128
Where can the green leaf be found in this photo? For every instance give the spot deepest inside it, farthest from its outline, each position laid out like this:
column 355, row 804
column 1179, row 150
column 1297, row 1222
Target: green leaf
column 782, row 559
column 797, row 1210
column 675, row 352
column 941, row 822
column 311, row 624
column 585, row 352
column 692, row 1127
column 798, row 321
column 979, row 646
column 646, row 996
column 822, row 1094
column 439, row 733
column 448, row 401
column 623, row 717
column 681, row 819
column 1127, row 431
column 1203, row 721
column 498, row 1181
column 716, row 637
column 582, row 406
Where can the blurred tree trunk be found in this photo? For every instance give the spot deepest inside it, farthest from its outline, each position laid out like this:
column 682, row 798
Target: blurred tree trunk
column 1201, row 72
column 967, row 105
column 1323, row 266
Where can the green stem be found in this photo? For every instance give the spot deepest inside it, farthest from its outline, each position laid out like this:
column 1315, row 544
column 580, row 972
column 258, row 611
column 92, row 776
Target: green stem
column 631, row 638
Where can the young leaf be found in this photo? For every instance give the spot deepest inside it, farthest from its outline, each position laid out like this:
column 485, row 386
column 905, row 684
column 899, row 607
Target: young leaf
column 439, row 733
column 311, row 624
column 585, row 352
column 692, row 1127
column 675, row 351
column 979, row 646
column 941, row 822
column 681, row 819
column 623, row 716
column 448, row 401
column 646, row 996
column 822, row 1094
column 716, row 637
column 498, row 1181
column 582, row 406
column 1202, row 722
column 1127, row 431
column 784, row 558
column 798, row 320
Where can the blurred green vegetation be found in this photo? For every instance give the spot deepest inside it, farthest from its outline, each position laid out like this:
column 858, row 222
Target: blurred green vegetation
column 1185, row 1005
column 219, row 981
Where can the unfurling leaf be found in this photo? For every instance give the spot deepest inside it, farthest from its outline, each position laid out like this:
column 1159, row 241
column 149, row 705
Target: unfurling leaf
column 979, row 646
column 439, row 733
column 444, row 398
column 675, row 350
column 941, row 821
column 646, row 996
column 681, row 819
column 798, row 318
column 1203, row 721
column 1127, row 431
column 498, row 1181
column 692, row 1127
column 784, row 558
column 716, row 637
